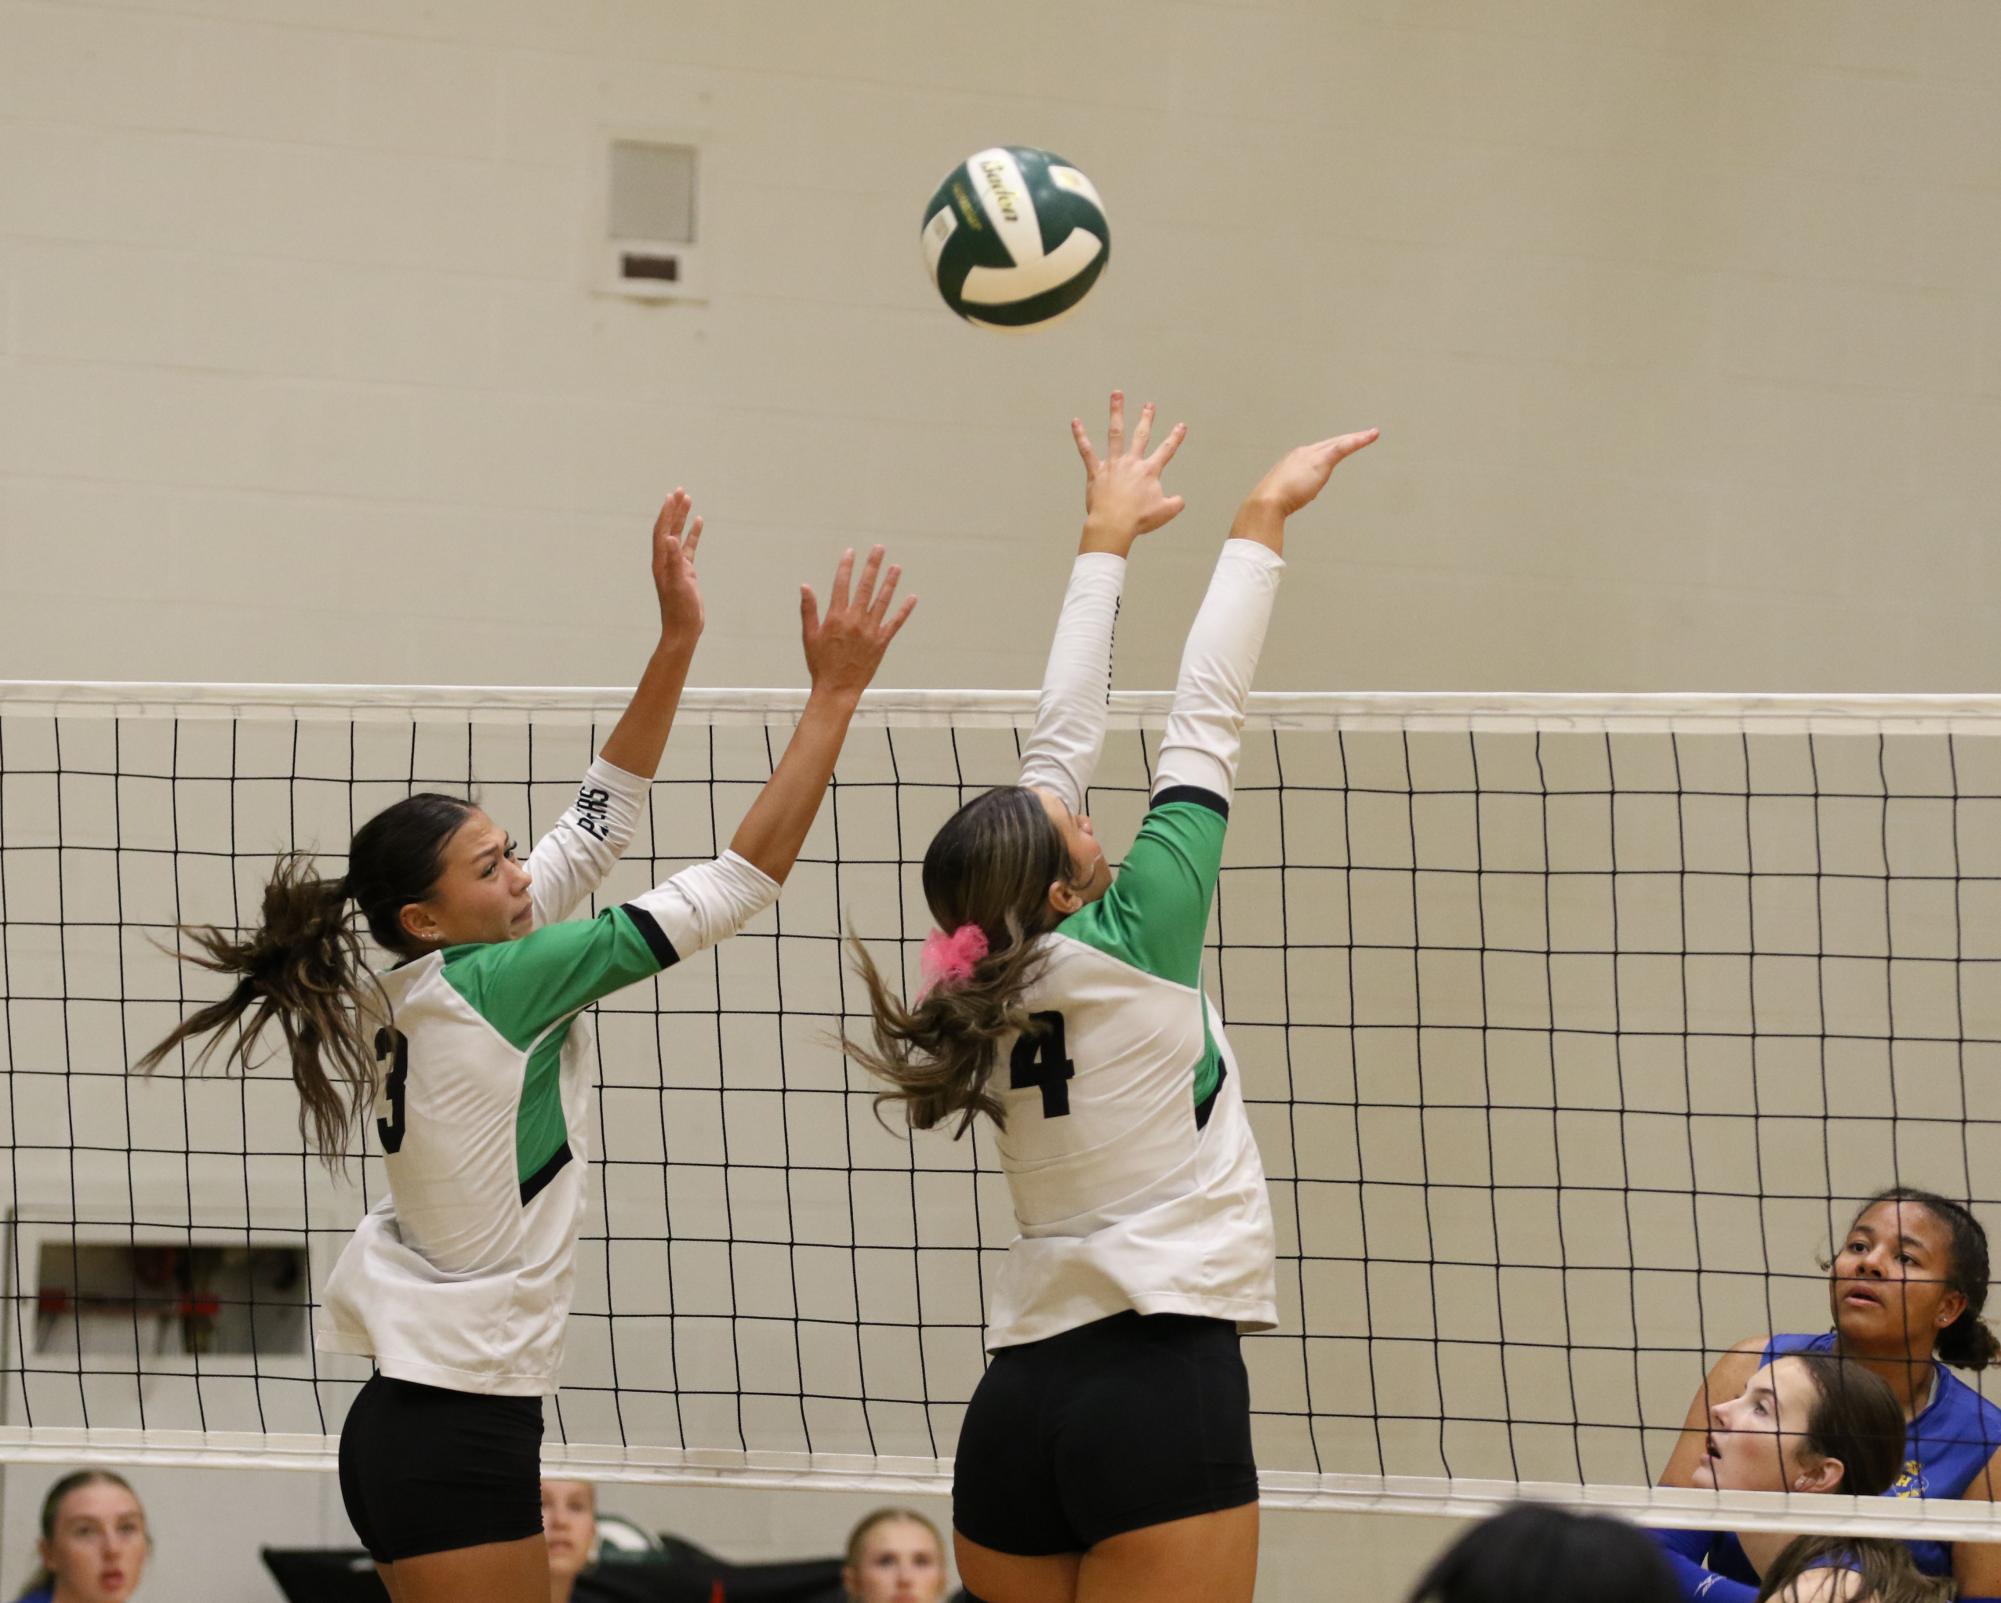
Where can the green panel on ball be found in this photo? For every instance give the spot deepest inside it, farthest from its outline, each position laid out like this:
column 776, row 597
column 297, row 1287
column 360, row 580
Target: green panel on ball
column 1015, row 236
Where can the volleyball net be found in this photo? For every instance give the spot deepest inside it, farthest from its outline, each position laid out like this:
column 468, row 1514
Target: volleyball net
column 1572, row 1030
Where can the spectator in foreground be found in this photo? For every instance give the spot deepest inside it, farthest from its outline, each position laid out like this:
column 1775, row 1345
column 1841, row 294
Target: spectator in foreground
column 94, row 1543
column 1532, row 1553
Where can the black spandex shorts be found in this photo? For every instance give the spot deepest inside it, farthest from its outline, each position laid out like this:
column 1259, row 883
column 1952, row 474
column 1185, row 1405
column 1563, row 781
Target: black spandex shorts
column 424, row 1470
column 1130, row 1421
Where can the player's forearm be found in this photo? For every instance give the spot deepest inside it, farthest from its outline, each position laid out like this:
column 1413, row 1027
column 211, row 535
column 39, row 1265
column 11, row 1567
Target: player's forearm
column 776, row 826
column 1204, row 731
column 640, row 735
column 1063, row 749
column 1261, row 521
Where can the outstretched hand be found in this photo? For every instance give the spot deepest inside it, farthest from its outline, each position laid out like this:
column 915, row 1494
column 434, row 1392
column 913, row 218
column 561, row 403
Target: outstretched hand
column 674, row 541
column 844, row 646
column 1302, row 473
column 1123, row 498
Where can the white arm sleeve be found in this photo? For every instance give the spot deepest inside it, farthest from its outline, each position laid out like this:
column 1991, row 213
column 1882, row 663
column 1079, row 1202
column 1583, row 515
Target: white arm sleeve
column 572, row 860
column 1062, row 751
column 1203, row 732
column 702, row 905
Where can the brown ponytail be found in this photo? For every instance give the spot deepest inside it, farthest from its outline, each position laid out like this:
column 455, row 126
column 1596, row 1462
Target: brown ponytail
column 303, row 966
column 991, row 864
column 1856, row 1418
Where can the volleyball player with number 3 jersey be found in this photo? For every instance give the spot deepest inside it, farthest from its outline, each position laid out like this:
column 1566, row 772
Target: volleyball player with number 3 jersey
column 474, row 1054
column 1106, row 1454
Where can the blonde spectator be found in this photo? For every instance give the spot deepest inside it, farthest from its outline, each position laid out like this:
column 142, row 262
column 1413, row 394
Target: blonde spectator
column 895, row 1555
column 570, row 1528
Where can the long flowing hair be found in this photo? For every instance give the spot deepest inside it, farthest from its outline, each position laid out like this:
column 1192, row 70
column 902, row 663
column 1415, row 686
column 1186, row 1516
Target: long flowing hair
column 302, row 967
column 992, row 863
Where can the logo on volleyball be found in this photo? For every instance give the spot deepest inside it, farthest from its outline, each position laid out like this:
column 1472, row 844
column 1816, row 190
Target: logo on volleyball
column 1911, row 1483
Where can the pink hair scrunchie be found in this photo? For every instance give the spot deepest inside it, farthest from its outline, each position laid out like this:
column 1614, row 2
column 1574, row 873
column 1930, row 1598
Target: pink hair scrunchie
column 949, row 959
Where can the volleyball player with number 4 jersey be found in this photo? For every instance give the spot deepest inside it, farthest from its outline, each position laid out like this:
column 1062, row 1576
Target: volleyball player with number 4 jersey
column 474, row 1052
column 1106, row 1454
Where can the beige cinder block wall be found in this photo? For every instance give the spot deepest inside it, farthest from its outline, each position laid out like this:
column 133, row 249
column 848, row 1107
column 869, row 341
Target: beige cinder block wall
column 1680, row 321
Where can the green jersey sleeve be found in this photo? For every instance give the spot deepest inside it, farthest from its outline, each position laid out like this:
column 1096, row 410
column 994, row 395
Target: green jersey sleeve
column 1156, row 913
column 522, row 987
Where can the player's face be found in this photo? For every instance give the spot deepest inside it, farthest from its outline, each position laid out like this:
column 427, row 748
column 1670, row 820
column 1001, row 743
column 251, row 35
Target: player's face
column 1888, row 1284
column 99, row 1547
column 899, row 1563
column 1090, row 874
column 569, row 1524
column 482, row 891
column 1756, row 1441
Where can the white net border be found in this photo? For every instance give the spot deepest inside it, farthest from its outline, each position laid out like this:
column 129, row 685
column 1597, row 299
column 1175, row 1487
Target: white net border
column 1444, row 712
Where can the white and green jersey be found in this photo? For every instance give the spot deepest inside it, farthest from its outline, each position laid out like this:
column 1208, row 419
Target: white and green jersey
column 1134, row 1174
column 460, row 1277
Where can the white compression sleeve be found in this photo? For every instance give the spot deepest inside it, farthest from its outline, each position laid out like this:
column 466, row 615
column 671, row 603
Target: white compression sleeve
column 1204, row 730
column 1062, row 752
column 707, row 903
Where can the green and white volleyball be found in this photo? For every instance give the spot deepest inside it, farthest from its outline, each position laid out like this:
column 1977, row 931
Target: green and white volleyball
column 1015, row 237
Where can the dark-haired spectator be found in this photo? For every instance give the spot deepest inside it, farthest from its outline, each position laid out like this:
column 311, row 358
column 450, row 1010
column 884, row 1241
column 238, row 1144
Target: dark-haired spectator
column 94, row 1543
column 1533, row 1553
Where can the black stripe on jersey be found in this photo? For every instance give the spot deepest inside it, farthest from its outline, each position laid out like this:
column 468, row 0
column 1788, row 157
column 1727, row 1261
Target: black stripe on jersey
column 532, row 1186
column 1195, row 794
column 654, row 936
column 1207, row 1105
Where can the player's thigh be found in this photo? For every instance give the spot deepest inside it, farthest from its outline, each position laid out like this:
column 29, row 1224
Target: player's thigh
column 995, row 1577
column 1205, row 1558
column 496, row 1572
column 388, row 1580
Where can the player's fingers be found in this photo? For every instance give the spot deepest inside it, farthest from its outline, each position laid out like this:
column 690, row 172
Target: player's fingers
column 1348, row 444
column 673, row 512
column 909, row 606
column 837, row 598
column 1084, row 451
column 1168, row 447
column 1171, row 509
column 1143, row 430
column 809, row 612
column 1115, row 430
column 882, row 596
column 865, row 589
column 692, row 538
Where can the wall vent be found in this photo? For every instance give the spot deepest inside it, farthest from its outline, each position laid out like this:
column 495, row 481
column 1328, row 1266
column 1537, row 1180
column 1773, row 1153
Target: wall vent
column 651, row 220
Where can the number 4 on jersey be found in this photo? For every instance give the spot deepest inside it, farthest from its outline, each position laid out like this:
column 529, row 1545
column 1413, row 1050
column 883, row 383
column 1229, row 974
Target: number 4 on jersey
column 1040, row 1060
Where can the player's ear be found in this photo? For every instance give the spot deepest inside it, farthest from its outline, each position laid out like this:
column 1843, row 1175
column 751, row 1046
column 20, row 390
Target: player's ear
column 1821, row 1476
column 1063, row 898
column 419, row 923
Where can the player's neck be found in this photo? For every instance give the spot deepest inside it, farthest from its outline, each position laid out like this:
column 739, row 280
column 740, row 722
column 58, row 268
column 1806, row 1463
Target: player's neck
column 1910, row 1379
column 1762, row 1548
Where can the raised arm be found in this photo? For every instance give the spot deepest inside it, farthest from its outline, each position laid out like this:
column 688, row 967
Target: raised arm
column 1157, row 909
column 572, row 859
column 524, row 987
column 1200, row 749
column 843, row 650
column 1122, row 500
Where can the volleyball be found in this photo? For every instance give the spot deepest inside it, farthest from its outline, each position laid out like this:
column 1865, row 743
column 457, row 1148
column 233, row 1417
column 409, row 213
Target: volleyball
column 1015, row 237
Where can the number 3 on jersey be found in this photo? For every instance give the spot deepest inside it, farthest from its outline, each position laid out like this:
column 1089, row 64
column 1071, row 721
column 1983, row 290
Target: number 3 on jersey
column 391, row 1128
column 1040, row 1060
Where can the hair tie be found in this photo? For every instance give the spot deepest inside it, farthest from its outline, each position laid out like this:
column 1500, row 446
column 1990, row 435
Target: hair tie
column 949, row 959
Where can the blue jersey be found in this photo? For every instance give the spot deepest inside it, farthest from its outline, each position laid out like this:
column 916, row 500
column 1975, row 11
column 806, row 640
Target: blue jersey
column 1945, row 1449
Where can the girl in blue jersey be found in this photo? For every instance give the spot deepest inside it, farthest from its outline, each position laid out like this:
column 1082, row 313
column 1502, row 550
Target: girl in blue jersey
column 1812, row 1422
column 1106, row 1454
column 1907, row 1288
column 475, row 1053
